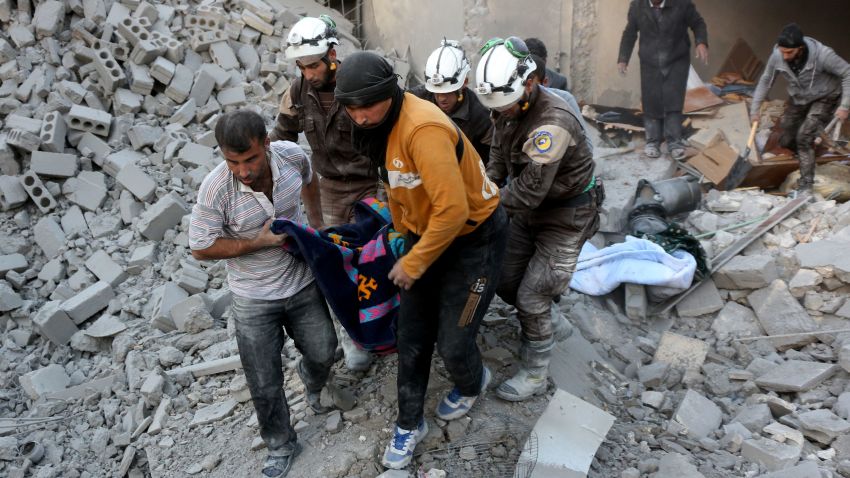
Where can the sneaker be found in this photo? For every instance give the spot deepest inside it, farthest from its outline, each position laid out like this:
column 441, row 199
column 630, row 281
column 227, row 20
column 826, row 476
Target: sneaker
column 399, row 450
column 651, row 150
column 677, row 153
column 279, row 466
column 455, row 405
column 314, row 401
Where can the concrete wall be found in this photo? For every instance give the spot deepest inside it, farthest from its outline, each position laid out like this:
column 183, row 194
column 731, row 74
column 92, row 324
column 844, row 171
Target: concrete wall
column 583, row 36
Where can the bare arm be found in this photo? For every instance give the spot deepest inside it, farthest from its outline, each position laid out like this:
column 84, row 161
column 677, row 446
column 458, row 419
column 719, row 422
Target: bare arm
column 313, row 203
column 224, row 248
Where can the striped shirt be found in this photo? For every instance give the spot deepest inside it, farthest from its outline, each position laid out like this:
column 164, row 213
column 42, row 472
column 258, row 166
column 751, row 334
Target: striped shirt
column 226, row 208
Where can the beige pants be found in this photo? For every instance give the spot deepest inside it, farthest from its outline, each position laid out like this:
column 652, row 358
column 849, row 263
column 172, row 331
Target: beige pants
column 339, row 197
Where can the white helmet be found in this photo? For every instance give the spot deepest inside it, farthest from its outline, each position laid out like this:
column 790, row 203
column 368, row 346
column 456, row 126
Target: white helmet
column 311, row 38
column 446, row 68
column 504, row 67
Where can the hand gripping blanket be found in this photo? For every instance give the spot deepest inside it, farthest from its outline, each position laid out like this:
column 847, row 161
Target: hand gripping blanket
column 351, row 264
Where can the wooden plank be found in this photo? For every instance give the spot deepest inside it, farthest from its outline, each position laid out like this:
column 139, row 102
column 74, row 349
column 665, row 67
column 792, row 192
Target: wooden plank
column 743, row 60
column 734, row 121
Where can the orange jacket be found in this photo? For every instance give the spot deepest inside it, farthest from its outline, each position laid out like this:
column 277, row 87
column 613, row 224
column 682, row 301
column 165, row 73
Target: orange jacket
column 430, row 193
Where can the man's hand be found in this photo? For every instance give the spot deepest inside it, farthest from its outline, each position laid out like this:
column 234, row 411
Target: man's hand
column 841, row 114
column 400, row 278
column 266, row 238
column 702, row 53
column 622, row 68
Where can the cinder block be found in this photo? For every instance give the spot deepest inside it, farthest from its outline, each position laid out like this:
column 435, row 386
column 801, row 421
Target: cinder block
column 53, row 130
column 88, row 190
column 72, row 90
column 53, row 271
column 38, row 192
column 192, row 278
column 115, row 162
column 110, row 72
column 203, row 22
column 164, row 298
column 206, row 112
column 23, row 139
column 94, row 10
column 146, row 51
column 49, row 237
column 117, row 12
column 162, row 70
column 232, row 96
column 254, row 21
column 191, row 315
column 194, row 155
column 125, row 101
column 140, row 80
column 13, row 262
column 90, row 120
column 30, row 125
column 132, row 178
column 49, row 16
column 162, row 216
column 12, row 193
column 54, row 324
column 147, row 11
column 223, row 56
column 128, row 207
column 141, row 258
column 91, row 144
column 88, row 302
column 45, row 380
column 175, row 138
column 105, row 268
column 57, row 165
column 202, row 87
column 143, row 135
column 181, row 84
column 73, row 222
column 201, row 40
column 185, row 114
column 132, row 30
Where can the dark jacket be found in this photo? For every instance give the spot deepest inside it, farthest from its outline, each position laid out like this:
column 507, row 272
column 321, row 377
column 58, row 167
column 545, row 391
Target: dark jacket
column 557, row 81
column 825, row 74
column 662, row 43
column 329, row 134
column 544, row 152
column 471, row 117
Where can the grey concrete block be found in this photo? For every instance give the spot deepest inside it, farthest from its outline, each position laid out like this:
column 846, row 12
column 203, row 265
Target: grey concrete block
column 74, row 223
column 826, row 425
column 12, row 193
column 90, row 120
column 704, row 300
column 133, row 31
column 7, row 52
column 132, row 178
column 56, row 165
column 139, row 79
column 203, row 22
column 24, row 123
column 49, row 237
column 780, row 313
column 49, row 16
column 9, row 299
column 117, row 13
column 185, row 114
column 232, row 96
column 115, row 162
column 192, row 315
column 200, row 41
column 181, row 84
column 194, row 155
column 13, row 262
column 125, row 101
column 143, row 135
column 53, row 131
column 23, row 140
column 38, row 192
column 202, row 87
column 91, row 144
column 164, row 298
column 94, row 10
column 162, row 70
column 191, row 278
column 737, row 321
column 88, row 302
column 754, row 417
column 146, row 51
column 110, row 72
column 54, row 271
column 220, row 300
column 162, row 216
column 54, row 324
column 72, row 90
column 87, row 190
column 103, row 225
column 771, row 454
column 213, row 413
column 807, row 469
column 796, row 376
column 141, row 258
column 747, row 272
column 45, row 380
column 128, row 207
column 105, row 268
column 698, row 415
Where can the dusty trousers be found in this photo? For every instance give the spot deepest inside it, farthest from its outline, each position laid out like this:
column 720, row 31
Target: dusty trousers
column 543, row 248
column 446, row 306
column 801, row 125
column 338, row 197
column 260, row 326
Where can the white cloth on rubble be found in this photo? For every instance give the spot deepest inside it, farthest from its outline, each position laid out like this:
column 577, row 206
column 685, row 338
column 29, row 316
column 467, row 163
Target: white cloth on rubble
column 636, row 261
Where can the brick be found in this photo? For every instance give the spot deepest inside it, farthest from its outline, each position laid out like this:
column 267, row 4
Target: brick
column 162, row 70
column 49, row 16
column 141, row 258
column 53, row 131
column 132, row 178
column 139, row 79
column 110, row 72
column 90, row 120
column 13, row 262
column 88, row 302
column 12, row 193
column 232, row 96
column 704, row 300
column 45, row 380
column 54, row 324
column 164, row 298
column 56, row 165
column 191, row 315
column 795, row 376
column 698, row 415
column 162, row 216
column 88, row 191
column 771, row 454
column 780, row 313
column 49, row 237
column 125, row 101
column 23, row 140
column 747, row 272
column 181, row 84
column 105, row 268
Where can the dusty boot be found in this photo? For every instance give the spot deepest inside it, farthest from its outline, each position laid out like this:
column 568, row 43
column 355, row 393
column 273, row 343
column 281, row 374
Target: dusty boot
column 356, row 359
column 562, row 329
column 531, row 378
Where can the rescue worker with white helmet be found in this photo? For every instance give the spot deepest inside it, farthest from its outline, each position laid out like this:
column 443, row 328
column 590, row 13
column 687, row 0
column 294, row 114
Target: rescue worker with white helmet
column 446, row 79
column 552, row 199
column 309, row 106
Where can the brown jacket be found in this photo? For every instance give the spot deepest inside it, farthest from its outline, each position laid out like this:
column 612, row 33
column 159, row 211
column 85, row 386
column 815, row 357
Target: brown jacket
column 329, row 134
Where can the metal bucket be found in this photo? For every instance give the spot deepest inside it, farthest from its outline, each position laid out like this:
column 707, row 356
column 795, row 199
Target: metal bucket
column 655, row 202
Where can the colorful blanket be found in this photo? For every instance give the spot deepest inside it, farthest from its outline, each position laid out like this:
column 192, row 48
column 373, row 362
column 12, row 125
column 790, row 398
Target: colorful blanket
column 351, row 264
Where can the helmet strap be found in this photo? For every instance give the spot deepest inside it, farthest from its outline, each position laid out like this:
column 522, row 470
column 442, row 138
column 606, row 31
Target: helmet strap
column 460, row 97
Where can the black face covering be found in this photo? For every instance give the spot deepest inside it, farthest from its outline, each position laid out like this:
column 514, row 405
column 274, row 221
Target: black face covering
column 372, row 141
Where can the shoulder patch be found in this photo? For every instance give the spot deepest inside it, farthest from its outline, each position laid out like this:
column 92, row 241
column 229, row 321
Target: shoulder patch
column 542, row 141
column 547, row 143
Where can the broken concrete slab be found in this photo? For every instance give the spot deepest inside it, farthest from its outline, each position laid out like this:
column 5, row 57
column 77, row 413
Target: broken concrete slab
column 826, row 423
column 780, row 313
column 105, row 326
column 568, row 435
column 213, row 413
column 45, row 380
column 681, row 352
column 796, row 376
column 53, row 323
column 98, row 385
column 675, row 464
column 747, row 272
column 212, row 367
column 736, row 320
column 705, row 299
column 697, row 416
column 771, row 454
column 807, row 469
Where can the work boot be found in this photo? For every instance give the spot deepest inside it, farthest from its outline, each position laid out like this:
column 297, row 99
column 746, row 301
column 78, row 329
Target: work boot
column 531, row 378
column 651, row 150
column 562, row 329
column 356, row 359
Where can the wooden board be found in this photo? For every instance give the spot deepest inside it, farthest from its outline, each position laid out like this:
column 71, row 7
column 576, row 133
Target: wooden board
column 715, row 162
column 734, row 121
column 700, row 98
column 743, row 60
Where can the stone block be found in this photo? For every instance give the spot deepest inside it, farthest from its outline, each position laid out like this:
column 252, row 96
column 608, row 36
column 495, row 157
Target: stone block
column 49, row 237
column 88, row 302
column 38, row 192
column 105, row 269
column 162, row 216
column 213, row 413
column 770, row 454
column 12, row 262
column 796, row 376
column 698, row 415
column 12, row 193
column 705, row 299
column 132, row 178
column 164, row 298
column 53, row 132
column 747, row 272
column 54, row 324
column 232, row 96
column 780, row 313
column 39, row 383
column 141, row 258
column 87, row 190
column 181, row 84
column 56, row 165
column 49, row 16
column 162, row 70
column 23, row 140
column 804, row 280
column 191, row 315
column 90, row 120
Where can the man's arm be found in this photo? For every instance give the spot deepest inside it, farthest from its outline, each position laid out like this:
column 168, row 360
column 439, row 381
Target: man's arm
column 224, row 248
column 764, row 86
column 697, row 25
column 287, row 126
column 836, row 65
column 630, row 35
column 544, row 148
column 497, row 167
column 313, row 202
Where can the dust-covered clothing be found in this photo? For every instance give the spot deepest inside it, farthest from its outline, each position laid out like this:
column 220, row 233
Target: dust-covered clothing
column 801, row 125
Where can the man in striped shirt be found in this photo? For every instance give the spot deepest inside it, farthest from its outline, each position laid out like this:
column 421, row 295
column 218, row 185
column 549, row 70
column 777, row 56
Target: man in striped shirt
column 258, row 182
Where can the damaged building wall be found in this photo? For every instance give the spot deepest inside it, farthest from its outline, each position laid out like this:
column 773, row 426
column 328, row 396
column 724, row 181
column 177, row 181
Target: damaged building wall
column 583, row 36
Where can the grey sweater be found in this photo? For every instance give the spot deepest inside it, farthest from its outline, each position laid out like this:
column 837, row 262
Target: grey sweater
column 825, row 74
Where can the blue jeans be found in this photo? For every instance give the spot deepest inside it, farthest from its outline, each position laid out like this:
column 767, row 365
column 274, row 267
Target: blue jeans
column 435, row 310
column 260, row 335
